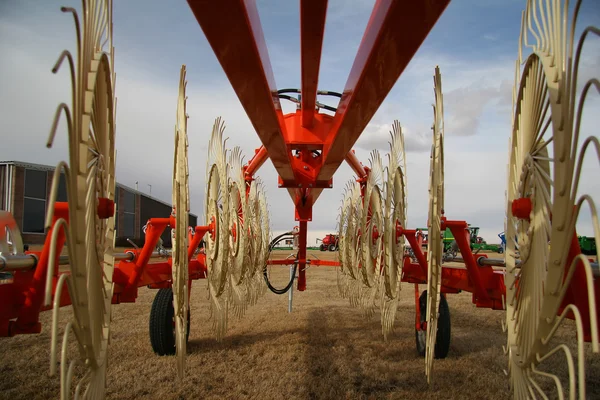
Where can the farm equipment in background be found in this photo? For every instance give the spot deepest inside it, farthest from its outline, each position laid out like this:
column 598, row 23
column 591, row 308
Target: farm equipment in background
column 475, row 240
column 329, row 242
column 588, row 245
column 502, row 247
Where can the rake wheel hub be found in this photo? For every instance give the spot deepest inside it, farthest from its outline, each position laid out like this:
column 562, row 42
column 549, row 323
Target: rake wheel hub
column 106, row 208
column 521, row 208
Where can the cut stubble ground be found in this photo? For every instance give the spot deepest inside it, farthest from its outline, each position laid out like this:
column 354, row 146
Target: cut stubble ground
column 324, row 349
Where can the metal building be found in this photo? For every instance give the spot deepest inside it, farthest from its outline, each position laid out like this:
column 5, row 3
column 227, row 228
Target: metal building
column 25, row 190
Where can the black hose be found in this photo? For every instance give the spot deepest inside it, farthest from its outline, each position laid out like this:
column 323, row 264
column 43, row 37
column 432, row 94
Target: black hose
column 290, row 98
column 288, row 90
column 273, row 289
column 326, row 107
column 329, row 93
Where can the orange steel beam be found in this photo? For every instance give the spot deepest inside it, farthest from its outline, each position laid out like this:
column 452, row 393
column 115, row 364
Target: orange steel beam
column 233, row 30
column 394, row 33
column 260, row 156
column 312, row 27
column 356, row 166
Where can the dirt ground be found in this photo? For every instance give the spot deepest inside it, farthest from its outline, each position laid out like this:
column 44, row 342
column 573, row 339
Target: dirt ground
column 324, row 349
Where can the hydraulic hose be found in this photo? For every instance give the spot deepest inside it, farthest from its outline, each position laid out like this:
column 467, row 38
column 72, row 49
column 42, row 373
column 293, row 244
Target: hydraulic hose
column 273, row 289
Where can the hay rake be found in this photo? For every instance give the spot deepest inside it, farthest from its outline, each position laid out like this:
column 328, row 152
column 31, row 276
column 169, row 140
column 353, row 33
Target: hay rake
column 543, row 279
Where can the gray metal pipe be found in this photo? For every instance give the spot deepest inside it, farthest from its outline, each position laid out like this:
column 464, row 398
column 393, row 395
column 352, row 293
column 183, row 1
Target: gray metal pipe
column 17, row 262
column 20, row 262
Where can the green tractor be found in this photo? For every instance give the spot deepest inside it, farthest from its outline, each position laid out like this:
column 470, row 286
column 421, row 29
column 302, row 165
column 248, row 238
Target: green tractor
column 475, row 240
column 588, row 245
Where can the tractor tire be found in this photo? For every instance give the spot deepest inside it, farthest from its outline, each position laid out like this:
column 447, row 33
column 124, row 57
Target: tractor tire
column 332, row 247
column 442, row 340
column 322, row 247
column 162, row 324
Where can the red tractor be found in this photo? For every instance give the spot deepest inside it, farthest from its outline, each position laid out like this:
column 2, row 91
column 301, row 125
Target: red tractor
column 329, row 242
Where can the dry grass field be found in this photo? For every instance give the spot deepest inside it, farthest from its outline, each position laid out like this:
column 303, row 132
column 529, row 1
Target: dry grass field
column 323, row 350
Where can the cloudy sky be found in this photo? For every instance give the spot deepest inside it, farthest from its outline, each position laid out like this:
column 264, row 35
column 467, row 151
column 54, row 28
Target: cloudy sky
column 474, row 43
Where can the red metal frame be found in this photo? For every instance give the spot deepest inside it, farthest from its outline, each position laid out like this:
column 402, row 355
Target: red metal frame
column 312, row 27
column 22, row 300
column 307, row 147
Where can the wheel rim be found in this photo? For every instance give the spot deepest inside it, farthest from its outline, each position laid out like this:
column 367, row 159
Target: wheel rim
column 239, row 218
column 543, row 207
column 395, row 214
column 435, row 244
column 181, row 206
column 90, row 181
column 372, row 224
column 218, row 213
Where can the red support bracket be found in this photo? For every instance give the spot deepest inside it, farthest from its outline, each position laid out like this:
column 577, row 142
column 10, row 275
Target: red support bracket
column 415, row 245
column 302, row 256
column 32, row 285
column 460, row 231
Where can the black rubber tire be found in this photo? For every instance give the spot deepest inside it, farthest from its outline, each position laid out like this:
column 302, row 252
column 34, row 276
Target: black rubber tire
column 332, row 247
column 442, row 340
column 162, row 332
column 322, row 247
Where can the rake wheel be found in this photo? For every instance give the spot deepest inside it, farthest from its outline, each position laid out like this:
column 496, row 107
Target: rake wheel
column 262, row 246
column 436, row 211
column 350, row 252
column 91, row 192
column 543, row 204
column 372, row 224
column 258, row 248
column 217, row 242
column 239, row 221
column 346, row 272
column 181, row 207
column 395, row 214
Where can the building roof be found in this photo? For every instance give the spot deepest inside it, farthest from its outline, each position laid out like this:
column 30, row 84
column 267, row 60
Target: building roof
column 29, row 165
column 41, row 167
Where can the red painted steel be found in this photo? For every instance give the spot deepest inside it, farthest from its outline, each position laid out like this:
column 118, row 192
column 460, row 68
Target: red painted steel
column 234, row 32
column 577, row 291
column 395, row 31
column 154, row 228
column 302, row 256
column 455, row 279
column 260, row 156
column 324, row 263
column 312, row 27
column 32, row 284
column 22, row 298
column 415, row 245
column 356, row 165
column 417, row 308
column 477, row 274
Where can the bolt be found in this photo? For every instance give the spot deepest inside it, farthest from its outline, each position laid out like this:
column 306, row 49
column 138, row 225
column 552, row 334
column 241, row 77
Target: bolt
column 305, row 168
